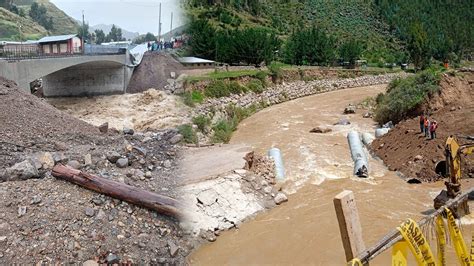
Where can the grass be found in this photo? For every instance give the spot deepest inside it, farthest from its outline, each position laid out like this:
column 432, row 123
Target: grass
column 192, row 98
column 224, row 128
column 217, row 75
column 202, row 122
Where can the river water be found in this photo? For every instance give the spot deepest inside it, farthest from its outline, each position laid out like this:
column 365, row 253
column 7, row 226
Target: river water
column 305, row 230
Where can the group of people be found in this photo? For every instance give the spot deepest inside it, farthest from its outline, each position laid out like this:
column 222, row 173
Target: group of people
column 157, row 46
column 428, row 127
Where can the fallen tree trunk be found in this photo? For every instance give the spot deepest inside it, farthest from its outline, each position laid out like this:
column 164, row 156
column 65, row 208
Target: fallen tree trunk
column 161, row 204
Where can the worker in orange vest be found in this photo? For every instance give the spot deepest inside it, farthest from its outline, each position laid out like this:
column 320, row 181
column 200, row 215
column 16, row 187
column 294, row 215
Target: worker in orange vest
column 433, row 127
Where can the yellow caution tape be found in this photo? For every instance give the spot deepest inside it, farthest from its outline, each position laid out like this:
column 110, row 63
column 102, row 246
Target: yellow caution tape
column 458, row 241
column 399, row 253
column 354, row 262
column 441, row 237
column 417, row 243
column 471, row 260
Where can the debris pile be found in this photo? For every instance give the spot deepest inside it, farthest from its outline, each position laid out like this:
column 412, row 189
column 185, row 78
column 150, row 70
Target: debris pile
column 47, row 220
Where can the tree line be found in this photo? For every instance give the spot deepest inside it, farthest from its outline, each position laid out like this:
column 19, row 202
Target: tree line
column 98, row 36
column 256, row 45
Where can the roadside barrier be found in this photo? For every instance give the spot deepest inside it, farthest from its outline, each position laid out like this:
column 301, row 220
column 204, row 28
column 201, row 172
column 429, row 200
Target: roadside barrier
column 407, row 236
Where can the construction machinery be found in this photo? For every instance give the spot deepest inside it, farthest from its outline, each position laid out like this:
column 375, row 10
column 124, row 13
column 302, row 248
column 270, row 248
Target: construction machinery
column 451, row 168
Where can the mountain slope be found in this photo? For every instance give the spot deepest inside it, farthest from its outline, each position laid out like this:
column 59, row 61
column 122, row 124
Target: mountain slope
column 10, row 22
column 10, row 30
column 343, row 19
column 63, row 24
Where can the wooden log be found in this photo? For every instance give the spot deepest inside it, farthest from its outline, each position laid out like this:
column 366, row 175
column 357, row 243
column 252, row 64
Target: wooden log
column 349, row 224
column 159, row 203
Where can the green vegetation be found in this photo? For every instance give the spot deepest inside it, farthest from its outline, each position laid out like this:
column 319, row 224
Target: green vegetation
column 441, row 29
column 188, row 133
column 201, row 122
column 386, row 32
column 350, row 51
column 191, row 98
column 29, row 19
column 223, row 129
column 310, row 47
column 39, row 14
column 405, row 95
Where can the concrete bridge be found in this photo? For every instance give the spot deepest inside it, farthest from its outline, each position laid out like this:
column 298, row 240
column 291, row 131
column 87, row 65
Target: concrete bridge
column 73, row 75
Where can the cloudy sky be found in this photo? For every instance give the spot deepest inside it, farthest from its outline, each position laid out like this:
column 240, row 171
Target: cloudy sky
column 133, row 15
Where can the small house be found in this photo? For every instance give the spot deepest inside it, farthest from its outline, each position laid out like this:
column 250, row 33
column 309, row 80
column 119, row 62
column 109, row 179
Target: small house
column 61, row 44
column 196, row 62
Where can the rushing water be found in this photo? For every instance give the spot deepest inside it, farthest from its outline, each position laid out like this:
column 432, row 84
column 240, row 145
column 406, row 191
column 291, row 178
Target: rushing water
column 305, row 229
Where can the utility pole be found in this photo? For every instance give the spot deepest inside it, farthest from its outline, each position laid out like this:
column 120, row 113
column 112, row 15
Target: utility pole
column 159, row 25
column 83, row 35
column 171, row 27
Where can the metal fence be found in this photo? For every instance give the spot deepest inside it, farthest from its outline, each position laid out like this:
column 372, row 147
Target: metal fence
column 22, row 52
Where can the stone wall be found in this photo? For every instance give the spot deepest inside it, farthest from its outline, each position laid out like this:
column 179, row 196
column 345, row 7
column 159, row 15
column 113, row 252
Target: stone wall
column 289, row 91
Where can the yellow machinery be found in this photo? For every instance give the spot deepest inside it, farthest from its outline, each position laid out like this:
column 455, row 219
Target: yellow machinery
column 451, row 168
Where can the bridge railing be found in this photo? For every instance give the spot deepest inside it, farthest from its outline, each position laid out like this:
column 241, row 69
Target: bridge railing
column 34, row 52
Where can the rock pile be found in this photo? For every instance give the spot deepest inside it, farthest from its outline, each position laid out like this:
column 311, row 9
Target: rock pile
column 289, row 91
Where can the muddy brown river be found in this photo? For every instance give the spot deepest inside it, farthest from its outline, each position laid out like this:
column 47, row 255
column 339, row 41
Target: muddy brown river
column 304, row 231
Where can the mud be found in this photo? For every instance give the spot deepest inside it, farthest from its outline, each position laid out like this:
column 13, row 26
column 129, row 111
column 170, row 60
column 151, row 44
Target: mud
column 149, row 110
column 406, row 150
column 305, row 230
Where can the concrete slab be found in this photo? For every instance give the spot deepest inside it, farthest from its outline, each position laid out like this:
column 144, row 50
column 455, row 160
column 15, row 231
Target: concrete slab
column 198, row 164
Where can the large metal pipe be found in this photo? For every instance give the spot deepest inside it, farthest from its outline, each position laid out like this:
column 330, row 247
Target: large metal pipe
column 367, row 138
column 358, row 155
column 381, row 131
column 275, row 154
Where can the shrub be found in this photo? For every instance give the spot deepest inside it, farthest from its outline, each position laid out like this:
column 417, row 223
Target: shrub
column 405, row 95
column 201, row 121
column 234, row 87
column 217, row 89
column 188, row 133
column 223, row 131
column 255, row 85
column 275, row 70
column 262, row 76
column 191, row 98
column 197, row 96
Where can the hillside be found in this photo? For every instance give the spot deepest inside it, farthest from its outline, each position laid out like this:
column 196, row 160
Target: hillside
column 357, row 19
column 9, row 22
column 9, row 29
column 63, row 24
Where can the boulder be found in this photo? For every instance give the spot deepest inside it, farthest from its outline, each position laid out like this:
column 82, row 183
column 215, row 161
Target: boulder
column 87, row 159
column 128, row 131
column 176, row 139
column 343, row 122
column 104, row 127
column 280, row 198
column 74, row 164
column 22, row 171
column 122, row 163
column 320, row 130
column 113, row 156
column 46, row 160
column 350, row 109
